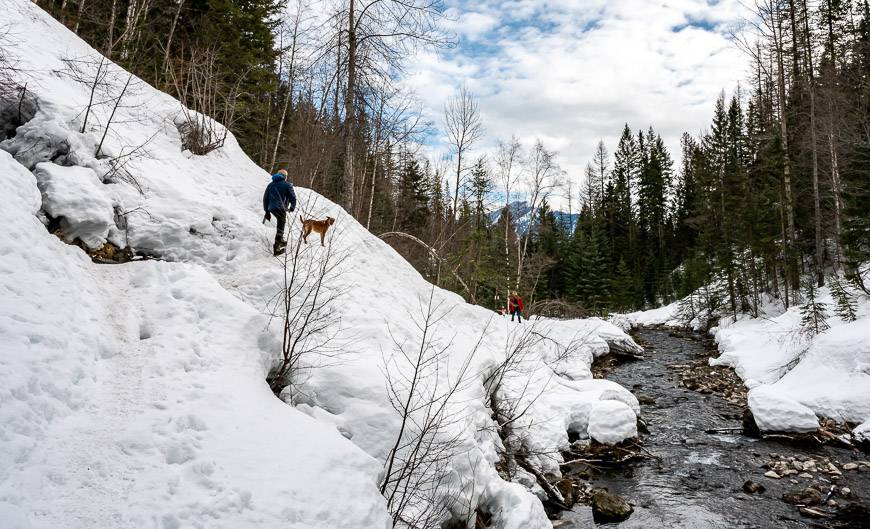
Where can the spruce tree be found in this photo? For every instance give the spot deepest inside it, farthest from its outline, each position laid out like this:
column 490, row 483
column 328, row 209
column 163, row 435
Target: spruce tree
column 845, row 306
column 814, row 314
column 621, row 288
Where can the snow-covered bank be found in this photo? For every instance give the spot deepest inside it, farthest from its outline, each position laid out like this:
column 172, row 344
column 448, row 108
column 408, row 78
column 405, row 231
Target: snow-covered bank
column 134, row 395
column 794, row 378
column 666, row 315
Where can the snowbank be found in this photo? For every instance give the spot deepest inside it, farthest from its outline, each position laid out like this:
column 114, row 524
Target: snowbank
column 666, row 315
column 134, row 395
column 793, row 378
column 612, row 421
column 76, row 197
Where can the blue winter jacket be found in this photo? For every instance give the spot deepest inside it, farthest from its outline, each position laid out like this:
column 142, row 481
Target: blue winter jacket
column 279, row 195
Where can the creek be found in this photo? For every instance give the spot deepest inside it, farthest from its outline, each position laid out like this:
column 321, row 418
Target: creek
column 695, row 479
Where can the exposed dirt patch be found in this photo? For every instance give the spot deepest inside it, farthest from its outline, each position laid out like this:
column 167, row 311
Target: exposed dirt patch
column 603, row 365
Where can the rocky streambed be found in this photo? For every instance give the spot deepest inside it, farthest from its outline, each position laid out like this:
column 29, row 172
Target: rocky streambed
column 696, row 469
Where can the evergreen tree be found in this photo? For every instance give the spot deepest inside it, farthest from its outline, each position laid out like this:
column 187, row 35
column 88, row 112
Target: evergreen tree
column 591, row 272
column 413, row 200
column 846, row 307
column 481, row 186
column 621, row 288
column 814, row 314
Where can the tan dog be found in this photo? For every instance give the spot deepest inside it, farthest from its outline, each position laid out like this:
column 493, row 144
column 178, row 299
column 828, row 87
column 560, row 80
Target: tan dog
column 320, row 226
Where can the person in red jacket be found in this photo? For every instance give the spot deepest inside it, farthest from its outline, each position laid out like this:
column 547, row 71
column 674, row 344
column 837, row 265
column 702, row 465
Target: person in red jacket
column 515, row 306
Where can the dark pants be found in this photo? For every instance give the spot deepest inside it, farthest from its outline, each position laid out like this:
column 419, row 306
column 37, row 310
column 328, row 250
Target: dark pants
column 281, row 219
column 518, row 314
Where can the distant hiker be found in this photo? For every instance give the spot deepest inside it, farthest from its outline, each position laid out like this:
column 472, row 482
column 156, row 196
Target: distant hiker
column 515, row 306
column 279, row 197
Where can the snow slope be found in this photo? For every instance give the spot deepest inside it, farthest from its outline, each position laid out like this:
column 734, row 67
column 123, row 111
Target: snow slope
column 793, row 379
column 134, row 395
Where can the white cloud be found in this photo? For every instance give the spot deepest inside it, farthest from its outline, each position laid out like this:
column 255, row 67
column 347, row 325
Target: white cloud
column 574, row 71
column 470, row 25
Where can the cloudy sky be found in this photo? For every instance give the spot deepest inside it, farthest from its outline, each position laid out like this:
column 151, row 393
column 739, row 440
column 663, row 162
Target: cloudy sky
column 571, row 72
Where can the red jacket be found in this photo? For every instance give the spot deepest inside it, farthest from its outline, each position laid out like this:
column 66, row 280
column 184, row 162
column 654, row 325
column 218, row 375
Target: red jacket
column 515, row 302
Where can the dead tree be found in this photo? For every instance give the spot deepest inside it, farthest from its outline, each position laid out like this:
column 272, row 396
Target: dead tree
column 438, row 261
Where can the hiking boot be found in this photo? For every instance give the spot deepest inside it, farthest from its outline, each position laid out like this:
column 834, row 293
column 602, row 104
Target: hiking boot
column 278, row 249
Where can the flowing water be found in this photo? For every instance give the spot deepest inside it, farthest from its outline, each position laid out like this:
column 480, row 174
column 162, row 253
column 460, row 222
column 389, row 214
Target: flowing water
column 695, row 482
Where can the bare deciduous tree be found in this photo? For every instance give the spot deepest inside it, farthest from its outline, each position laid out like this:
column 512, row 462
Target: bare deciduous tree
column 542, row 176
column 305, row 308
column 464, row 128
column 507, row 160
column 377, row 36
column 415, row 481
column 209, row 104
column 512, row 387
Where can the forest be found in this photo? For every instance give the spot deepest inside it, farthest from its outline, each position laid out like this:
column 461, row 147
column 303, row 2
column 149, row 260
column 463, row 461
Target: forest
column 771, row 202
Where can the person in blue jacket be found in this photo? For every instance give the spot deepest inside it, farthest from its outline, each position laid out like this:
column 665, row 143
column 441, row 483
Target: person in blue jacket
column 278, row 198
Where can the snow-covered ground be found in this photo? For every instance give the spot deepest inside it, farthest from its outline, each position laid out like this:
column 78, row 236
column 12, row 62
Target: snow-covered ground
column 134, row 395
column 793, row 378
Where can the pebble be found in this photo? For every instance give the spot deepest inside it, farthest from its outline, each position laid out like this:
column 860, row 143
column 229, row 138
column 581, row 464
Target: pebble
column 850, row 466
column 846, row 491
column 789, row 472
column 805, row 475
column 751, row 487
column 772, row 475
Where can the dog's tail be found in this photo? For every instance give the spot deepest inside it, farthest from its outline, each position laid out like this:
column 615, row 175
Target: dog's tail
column 301, row 219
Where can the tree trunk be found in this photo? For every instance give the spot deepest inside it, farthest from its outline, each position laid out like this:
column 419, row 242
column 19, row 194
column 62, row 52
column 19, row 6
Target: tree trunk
column 347, row 180
column 372, row 192
column 110, row 39
column 179, row 5
column 291, row 75
column 786, row 162
column 79, row 16
column 456, row 189
column 837, row 192
column 817, row 208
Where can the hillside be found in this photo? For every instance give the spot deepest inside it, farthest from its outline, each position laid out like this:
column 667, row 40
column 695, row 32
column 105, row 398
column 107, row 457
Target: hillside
column 135, row 394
